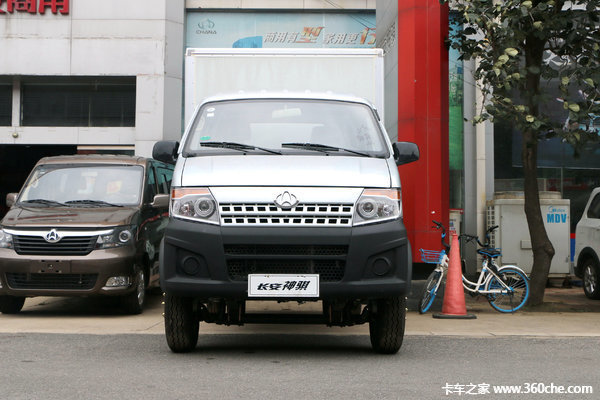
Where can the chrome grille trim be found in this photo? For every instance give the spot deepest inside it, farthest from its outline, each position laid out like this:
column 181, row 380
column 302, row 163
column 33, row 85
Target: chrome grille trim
column 303, row 214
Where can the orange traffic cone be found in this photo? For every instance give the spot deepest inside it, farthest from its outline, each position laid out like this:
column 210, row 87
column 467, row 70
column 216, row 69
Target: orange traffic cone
column 454, row 297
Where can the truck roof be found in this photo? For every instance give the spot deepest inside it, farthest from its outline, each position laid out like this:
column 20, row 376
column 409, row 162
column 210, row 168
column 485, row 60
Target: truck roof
column 281, row 95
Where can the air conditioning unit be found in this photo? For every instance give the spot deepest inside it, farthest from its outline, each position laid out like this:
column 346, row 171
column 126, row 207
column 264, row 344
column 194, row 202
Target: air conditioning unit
column 507, row 211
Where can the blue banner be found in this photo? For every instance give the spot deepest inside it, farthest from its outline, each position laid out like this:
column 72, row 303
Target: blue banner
column 272, row 30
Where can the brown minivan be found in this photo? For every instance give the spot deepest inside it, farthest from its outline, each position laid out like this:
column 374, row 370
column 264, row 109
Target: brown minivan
column 85, row 225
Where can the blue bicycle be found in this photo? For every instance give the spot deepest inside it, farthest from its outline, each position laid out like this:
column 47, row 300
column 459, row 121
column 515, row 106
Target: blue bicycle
column 506, row 288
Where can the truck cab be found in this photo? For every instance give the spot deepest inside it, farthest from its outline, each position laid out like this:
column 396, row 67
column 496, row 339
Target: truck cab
column 285, row 197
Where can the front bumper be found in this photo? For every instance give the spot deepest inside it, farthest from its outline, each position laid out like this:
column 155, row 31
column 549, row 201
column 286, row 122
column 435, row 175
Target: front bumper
column 207, row 261
column 52, row 275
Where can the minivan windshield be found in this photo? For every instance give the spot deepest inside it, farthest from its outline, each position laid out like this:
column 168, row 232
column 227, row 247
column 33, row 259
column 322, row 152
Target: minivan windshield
column 286, row 126
column 83, row 185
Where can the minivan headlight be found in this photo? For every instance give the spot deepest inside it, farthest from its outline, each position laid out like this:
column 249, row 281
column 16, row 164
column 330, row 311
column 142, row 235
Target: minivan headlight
column 6, row 241
column 377, row 205
column 119, row 236
column 196, row 204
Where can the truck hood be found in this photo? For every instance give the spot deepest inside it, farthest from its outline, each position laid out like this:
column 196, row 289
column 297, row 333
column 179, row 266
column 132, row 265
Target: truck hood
column 67, row 217
column 287, row 170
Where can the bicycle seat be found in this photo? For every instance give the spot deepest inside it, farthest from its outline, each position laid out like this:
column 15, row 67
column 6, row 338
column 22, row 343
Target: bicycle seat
column 489, row 252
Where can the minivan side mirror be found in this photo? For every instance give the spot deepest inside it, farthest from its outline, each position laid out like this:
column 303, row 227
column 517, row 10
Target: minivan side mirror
column 405, row 152
column 166, row 151
column 160, row 201
column 11, row 199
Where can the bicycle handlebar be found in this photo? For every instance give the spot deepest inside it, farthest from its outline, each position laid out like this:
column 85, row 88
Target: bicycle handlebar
column 439, row 225
column 476, row 238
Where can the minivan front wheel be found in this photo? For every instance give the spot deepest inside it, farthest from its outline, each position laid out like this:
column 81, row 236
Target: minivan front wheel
column 11, row 304
column 134, row 301
column 591, row 279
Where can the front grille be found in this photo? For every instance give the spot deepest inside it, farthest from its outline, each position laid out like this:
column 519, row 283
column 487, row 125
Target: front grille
column 68, row 246
column 51, row 281
column 302, row 214
column 329, row 261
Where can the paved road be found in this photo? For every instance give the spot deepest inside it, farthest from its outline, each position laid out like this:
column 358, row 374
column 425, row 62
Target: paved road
column 274, row 366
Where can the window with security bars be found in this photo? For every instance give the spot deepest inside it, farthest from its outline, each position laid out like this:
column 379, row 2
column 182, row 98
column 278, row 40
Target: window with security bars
column 78, row 101
column 5, row 104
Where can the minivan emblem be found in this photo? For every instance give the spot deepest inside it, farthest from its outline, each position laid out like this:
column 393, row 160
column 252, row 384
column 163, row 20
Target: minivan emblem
column 52, row 236
column 286, row 200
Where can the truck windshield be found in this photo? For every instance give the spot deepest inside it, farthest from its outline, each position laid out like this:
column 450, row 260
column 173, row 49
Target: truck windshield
column 83, row 186
column 315, row 127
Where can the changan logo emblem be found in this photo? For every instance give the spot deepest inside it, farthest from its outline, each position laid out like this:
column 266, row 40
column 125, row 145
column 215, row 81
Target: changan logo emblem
column 286, row 200
column 52, row 236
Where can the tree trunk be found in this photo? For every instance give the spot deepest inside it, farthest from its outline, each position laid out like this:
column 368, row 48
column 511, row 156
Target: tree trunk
column 542, row 248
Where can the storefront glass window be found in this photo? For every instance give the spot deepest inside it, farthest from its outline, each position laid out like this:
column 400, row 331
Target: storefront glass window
column 560, row 168
column 91, row 102
column 5, row 104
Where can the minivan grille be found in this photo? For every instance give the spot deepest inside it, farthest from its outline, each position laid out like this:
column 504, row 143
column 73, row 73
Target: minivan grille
column 68, row 246
column 339, row 214
column 51, row 281
column 329, row 261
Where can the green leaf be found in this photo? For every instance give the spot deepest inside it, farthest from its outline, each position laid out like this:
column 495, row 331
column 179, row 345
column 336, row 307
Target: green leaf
column 503, row 59
column 530, row 118
column 537, row 25
column 497, row 71
column 574, row 107
column 565, row 80
column 590, row 82
column 511, row 52
column 527, row 4
column 516, row 75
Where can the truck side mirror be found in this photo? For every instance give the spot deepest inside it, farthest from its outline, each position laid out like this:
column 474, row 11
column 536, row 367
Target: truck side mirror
column 160, row 201
column 11, row 198
column 405, row 152
column 166, row 151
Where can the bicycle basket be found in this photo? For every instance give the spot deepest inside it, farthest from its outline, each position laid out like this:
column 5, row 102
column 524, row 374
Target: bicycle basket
column 431, row 256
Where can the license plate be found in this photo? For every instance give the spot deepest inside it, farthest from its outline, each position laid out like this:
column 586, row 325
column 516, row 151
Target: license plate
column 283, row 285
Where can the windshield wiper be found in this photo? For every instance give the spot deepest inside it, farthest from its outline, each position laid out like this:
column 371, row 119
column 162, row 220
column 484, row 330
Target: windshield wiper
column 93, row 203
column 323, row 148
column 238, row 146
column 43, row 201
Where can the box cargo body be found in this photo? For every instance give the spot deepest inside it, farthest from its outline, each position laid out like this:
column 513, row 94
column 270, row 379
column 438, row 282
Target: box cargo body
column 357, row 72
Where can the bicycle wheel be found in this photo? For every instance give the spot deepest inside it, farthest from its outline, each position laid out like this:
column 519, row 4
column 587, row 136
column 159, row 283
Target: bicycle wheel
column 513, row 298
column 430, row 290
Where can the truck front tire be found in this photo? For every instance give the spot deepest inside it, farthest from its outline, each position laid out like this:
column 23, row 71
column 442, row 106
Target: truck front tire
column 386, row 324
column 181, row 324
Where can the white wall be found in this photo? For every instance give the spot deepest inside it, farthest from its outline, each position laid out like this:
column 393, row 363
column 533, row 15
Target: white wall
column 142, row 38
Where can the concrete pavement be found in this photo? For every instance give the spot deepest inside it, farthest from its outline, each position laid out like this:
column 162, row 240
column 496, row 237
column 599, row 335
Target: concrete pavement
column 567, row 313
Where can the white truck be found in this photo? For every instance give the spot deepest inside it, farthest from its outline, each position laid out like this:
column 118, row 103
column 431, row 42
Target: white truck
column 285, row 196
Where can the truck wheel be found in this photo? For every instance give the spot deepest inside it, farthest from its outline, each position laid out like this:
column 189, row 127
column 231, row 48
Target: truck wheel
column 133, row 303
column 181, row 324
column 386, row 324
column 11, row 304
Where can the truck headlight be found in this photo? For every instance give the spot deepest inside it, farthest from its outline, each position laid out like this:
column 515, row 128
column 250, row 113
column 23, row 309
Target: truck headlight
column 119, row 236
column 6, row 241
column 377, row 205
column 196, row 204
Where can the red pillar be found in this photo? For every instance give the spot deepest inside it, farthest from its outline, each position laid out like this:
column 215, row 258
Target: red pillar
column 423, row 117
